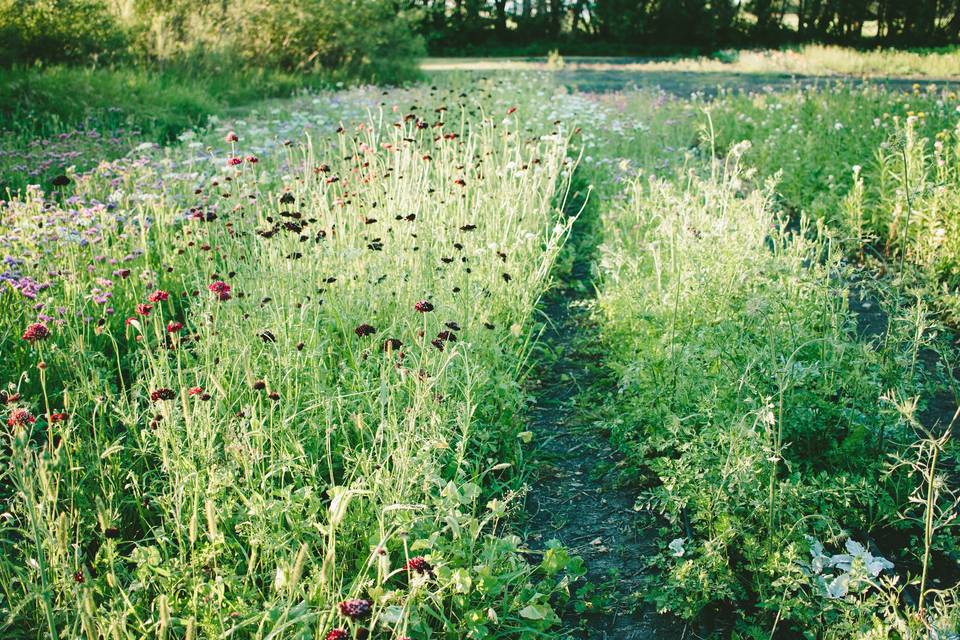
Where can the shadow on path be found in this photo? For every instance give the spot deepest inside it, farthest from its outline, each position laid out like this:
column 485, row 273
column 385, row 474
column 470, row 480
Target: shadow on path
column 575, row 496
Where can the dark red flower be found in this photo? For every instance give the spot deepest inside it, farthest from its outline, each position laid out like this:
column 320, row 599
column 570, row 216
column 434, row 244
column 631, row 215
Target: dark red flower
column 259, row 385
column 364, row 330
column 162, row 394
column 20, row 417
column 356, row 609
column 36, row 331
column 174, row 327
column 419, row 565
column 144, row 309
column 195, row 391
column 58, row 417
column 423, row 306
column 252, row 159
column 337, row 634
column 158, row 296
column 221, row 289
column 79, row 578
column 392, row 344
column 234, row 161
column 232, row 137
column 448, row 336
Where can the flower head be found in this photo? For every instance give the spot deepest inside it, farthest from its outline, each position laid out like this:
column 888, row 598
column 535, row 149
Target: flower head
column 158, row 296
column 423, row 306
column 20, row 417
column 221, row 289
column 36, row 331
column 419, row 565
column 356, row 609
column 162, row 394
column 364, row 330
column 337, row 634
column 232, row 137
column 144, row 309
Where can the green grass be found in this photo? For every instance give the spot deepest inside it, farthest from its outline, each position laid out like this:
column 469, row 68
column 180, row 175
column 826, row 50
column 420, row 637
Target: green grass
column 107, row 112
column 812, row 60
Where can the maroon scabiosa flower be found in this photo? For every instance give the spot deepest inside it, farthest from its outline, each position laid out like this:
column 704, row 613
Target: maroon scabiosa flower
column 419, row 565
column 144, row 309
column 162, row 394
column 20, row 417
column 356, row 609
column 337, row 634
column 174, row 327
column 392, row 344
column 158, row 296
column 36, row 331
column 221, row 289
column 364, row 330
column 234, row 161
column 252, row 159
column 423, row 306
column 447, row 336
column 232, row 137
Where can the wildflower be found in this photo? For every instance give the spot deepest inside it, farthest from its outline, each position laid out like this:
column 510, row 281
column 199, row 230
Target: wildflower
column 364, row 330
column 174, row 327
column 195, row 391
column 423, row 306
column 79, row 578
column 158, row 296
column 252, row 159
column 234, row 161
column 356, row 609
column 162, row 394
column 60, row 181
column 232, row 137
column 259, row 385
column 58, row 417
column 144, row 309
column 419, row 565
column 392, row 344
column 337, row 634
column 36, row 331
column 221, row 289
column 20, row 417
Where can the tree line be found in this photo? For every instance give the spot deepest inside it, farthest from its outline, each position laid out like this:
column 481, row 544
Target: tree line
column 597, row 26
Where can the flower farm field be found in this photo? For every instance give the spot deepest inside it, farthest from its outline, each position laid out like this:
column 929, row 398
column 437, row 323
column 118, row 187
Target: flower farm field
column 488, row 357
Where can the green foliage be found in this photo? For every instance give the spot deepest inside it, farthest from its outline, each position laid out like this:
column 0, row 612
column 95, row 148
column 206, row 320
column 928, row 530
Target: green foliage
column 76, row 31
column 759, row 416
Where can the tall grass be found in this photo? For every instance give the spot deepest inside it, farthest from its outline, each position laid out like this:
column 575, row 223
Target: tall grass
column 325, row 388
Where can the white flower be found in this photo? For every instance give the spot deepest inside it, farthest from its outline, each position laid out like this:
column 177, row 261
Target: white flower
column 676, row 547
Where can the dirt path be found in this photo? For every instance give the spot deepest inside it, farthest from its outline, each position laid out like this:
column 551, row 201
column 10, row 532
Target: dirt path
column 577, row 495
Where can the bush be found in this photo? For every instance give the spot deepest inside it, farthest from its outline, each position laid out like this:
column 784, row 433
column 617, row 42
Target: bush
column 58, row 31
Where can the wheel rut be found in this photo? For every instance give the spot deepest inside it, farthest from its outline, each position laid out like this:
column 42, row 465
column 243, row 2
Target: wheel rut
column 578, row 494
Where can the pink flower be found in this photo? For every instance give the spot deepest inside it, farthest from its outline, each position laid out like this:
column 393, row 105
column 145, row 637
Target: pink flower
column 234, row 161
column 144, row 309
column 232, row 137
column 20, row 417
column 252, row 159
column 221, row 289
column 174, row 327
column 158, row 296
